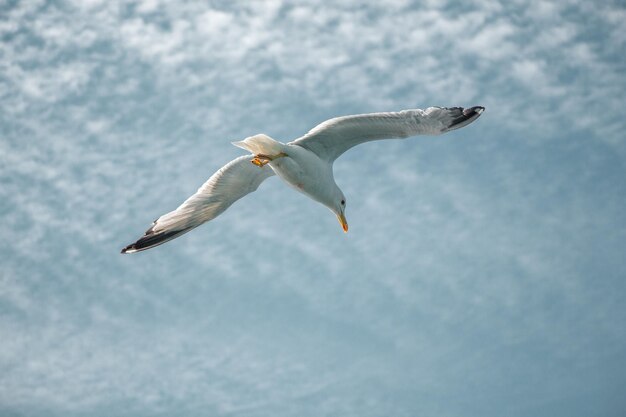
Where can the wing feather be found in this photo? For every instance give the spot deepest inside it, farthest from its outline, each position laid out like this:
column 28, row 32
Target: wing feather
column 333, row 137
column 230, row 183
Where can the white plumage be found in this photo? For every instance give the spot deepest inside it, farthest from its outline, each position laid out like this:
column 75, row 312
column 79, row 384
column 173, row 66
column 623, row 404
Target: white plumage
column 305, row 164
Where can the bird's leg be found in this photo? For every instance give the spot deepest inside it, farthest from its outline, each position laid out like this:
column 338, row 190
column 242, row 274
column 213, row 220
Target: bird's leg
column 261, row 159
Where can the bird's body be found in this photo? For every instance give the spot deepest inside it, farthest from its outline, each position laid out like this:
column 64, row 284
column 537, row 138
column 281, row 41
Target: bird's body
column 305, row 172
column 306, row 164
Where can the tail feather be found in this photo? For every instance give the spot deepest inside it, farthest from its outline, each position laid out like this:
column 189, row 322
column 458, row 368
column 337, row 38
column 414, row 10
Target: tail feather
column 260, row 144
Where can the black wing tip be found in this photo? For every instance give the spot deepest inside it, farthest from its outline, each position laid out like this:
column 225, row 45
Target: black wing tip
column 466, row 117
column 133, row 247
column 474, row 110
column 130, row 248
column 151, row 239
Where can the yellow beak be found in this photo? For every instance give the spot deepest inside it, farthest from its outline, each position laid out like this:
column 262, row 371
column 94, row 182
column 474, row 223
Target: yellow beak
column 343, row 221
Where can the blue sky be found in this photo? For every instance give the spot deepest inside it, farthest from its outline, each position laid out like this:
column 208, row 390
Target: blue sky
column 483, row 273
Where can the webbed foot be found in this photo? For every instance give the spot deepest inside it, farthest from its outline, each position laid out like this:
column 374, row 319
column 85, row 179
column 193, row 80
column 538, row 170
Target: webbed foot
column 261, row 160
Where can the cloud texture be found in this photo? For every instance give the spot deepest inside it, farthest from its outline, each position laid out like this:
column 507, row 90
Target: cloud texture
column 483, row 272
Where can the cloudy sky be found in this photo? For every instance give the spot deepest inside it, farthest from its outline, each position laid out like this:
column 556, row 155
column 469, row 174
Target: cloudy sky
column 484, row 271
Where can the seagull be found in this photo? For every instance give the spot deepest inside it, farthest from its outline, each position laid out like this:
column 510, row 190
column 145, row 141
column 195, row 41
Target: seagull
column 306, row 164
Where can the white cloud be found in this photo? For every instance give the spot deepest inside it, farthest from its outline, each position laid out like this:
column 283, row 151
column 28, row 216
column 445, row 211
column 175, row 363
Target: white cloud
column 113, row 112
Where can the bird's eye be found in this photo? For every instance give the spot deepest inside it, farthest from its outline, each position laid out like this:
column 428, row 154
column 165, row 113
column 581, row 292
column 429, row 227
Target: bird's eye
column 343, row 202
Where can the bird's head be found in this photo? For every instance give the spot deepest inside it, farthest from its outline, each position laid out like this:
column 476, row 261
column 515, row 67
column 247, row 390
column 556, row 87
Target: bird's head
column 329, row 194
column 341, row 216
column 338, row 206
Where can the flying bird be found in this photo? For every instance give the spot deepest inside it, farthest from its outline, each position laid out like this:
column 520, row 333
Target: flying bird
column 306, row 164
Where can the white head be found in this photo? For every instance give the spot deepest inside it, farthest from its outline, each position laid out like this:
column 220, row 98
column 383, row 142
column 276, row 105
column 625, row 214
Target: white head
column 336, row 202
column 323, row 189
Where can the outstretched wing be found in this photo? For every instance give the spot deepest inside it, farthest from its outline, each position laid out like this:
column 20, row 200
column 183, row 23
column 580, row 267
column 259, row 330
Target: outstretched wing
column 335, row 136
column 233, row 181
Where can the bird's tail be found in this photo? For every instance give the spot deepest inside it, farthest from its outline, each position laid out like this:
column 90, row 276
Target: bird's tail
column 260, row 145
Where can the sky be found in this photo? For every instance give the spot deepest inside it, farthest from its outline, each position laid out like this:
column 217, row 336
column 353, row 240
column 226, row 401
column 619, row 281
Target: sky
column 484, row 270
